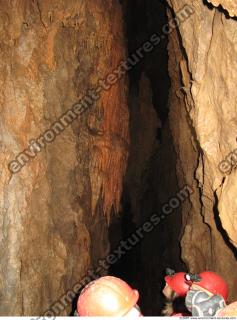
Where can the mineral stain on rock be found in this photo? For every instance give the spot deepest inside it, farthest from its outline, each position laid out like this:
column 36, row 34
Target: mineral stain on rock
column 168, row 123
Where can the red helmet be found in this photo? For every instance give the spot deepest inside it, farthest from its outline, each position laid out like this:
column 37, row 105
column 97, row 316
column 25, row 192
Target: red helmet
column 213, row 283
column 107, row 296
column 178, row 283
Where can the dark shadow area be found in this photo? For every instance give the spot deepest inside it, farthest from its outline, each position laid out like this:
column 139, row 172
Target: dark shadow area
column 150, row 178
column 129, row 266
column 145, row 18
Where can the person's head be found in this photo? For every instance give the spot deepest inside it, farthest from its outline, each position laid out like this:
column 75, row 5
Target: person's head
column 176, row 285
column 109, row 297
column 211, row 283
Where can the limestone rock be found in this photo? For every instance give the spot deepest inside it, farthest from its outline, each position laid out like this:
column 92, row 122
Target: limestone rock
column 229, row 5
column 203, row 121
column 51, row 53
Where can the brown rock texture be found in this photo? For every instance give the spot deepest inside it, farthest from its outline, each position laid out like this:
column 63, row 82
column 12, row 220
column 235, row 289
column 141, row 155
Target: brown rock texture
column 53, row 211
column 203, row 65
column 229, row 5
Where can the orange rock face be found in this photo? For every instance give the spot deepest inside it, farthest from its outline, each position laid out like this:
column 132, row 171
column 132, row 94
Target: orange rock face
column 51, row 53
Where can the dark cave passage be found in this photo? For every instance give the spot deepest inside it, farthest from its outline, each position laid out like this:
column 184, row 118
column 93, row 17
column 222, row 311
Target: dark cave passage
column 150, row 179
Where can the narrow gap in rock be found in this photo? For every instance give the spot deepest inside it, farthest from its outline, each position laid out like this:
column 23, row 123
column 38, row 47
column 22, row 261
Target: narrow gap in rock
column 150, row 179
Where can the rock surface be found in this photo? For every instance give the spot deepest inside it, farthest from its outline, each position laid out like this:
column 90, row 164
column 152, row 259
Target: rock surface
column 53, row 212
column 203, row 121
column 229, row 5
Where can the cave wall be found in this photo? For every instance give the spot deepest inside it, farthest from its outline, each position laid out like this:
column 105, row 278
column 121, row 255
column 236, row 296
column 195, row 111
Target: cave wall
column 54, row 210
column 202, row 66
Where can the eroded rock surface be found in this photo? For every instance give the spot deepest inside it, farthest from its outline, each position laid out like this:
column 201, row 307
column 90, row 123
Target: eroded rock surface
column 52, row 211
column 229, row 5
column 203, row 121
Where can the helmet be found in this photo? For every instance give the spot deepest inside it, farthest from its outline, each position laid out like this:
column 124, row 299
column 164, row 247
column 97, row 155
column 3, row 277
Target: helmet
column 178, row 283
column 213, row 283
column 107, row 296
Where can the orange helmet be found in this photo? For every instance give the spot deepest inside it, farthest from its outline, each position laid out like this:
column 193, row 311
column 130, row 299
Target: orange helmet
column 178, row 283
column 213, row 283
column 107, row 296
